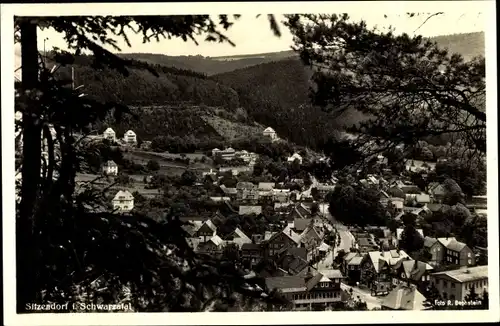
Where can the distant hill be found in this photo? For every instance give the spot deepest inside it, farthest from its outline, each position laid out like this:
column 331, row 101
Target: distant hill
column 272, row 91
column 209, row 65
column 468, row 45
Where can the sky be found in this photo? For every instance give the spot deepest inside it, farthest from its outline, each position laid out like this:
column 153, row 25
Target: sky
column 253, row 35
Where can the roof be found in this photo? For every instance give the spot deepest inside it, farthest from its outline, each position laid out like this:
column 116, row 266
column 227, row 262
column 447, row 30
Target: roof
column 423, row 198
column 399, row 233
column 240, row 237
column 210, row 224
column 266, row 185
column 269, row 129
column 250, row 246
column 429, row 242
column 294, row 157
column 415, row 269
column 228, row 190
column 109, row 130
column 292, row 235
column 466, row 274
column 391, row 257
column 245, row 185
column 111, row 163
column 124, row 193
column 331, row 273
column 130, row 132
column 246, row 210
column 456, row 245
column 350, row 255
column 291, row 283
column 355, row 260
column 300, row 224
column 404, row 298
column 445, row 241
column 216, row 240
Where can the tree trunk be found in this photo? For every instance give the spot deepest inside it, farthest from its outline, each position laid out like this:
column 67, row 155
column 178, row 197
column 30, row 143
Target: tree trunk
column 30, row 170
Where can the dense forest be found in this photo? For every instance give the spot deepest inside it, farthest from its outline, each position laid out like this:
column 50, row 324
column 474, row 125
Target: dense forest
column 271, row 89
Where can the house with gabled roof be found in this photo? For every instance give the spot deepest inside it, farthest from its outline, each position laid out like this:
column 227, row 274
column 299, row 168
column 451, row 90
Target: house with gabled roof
column 110, row 168
column 309, row 289
column 377, row 266
column 449, row 251
column 206, row 230
column 295, row 157
column 278, row 241
column 130, row 137
column 238, row 237
column 458, row 253
column 409, row 271
column 110, row 135
column 312, row 238
column 269, row 132
column 212, row 246
column 404, row 298
column 300, row 211
column 437, row 191
column 123, row 201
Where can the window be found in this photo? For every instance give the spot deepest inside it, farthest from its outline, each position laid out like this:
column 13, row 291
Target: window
column 439, row 248
column 469, row 262
column 452, row 297
column 445, row 284
column 469, row 255
column 452, row 285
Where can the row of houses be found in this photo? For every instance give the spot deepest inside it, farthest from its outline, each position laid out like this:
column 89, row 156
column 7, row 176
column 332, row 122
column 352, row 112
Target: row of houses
column 282, row 258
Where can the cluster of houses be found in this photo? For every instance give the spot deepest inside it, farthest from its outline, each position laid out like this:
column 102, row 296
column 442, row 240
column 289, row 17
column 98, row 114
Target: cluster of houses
column 229, row 154
column 292, row 252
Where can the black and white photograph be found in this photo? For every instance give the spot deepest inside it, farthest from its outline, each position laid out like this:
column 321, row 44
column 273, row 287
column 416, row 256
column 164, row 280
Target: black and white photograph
column 230, row 159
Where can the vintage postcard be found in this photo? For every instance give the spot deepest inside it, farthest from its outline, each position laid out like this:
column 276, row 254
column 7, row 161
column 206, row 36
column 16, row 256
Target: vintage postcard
column 249, row 163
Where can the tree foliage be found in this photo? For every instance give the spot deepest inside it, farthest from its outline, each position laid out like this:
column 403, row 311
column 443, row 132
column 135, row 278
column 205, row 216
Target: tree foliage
column 406, row 86
column 68, row 248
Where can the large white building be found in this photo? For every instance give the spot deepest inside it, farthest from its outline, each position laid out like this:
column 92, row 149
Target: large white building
column 269, row 132
column 130, row 137
column 109, row 134
column 123, row 201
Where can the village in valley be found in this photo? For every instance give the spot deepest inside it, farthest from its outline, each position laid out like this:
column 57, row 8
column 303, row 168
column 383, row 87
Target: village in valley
column 279, row 227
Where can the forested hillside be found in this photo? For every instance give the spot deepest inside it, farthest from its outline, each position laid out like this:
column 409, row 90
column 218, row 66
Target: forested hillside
column 271, row 93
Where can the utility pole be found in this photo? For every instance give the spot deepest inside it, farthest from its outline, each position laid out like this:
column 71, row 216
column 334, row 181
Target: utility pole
column 72, row 77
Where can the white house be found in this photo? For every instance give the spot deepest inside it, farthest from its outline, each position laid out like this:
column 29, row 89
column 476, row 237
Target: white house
column 109, row 134
column 130, row 137
column 269, row 132
column 123, row 201
column 110, row 168
column 295, row 156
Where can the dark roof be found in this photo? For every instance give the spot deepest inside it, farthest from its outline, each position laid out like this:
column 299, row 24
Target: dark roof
column 300, row 224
